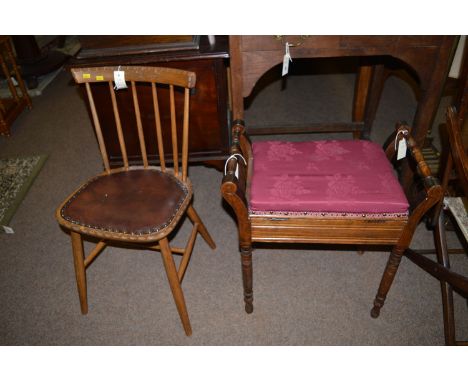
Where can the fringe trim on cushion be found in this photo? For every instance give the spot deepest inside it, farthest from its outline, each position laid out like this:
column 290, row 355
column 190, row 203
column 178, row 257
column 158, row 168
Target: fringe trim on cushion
column 331, row 214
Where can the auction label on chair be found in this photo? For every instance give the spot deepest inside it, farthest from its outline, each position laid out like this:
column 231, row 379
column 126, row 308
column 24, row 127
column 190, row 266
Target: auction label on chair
column 401, row 148
column 286, row 59
column 119, row 80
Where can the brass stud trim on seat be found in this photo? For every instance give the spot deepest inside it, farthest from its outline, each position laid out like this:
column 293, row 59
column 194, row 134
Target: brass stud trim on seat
column 150, row 231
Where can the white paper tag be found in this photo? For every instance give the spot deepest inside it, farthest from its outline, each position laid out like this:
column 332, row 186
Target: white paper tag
column 8, row 229
column 236, row 171
column 119, row 80
column 401, row 148
column 286, row 59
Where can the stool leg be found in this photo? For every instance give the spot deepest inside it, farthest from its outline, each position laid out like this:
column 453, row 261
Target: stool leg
column 387, row 280
column 80, row 271
column 246, row 259
column 174, row 283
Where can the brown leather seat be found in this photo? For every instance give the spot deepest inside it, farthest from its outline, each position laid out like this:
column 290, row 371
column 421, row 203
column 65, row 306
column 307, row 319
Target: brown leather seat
column 137, row 202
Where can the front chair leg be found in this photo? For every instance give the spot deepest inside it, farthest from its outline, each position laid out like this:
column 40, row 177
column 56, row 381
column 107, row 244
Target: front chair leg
column 80, row 271
column 246, row 258
column 174, row 283
column 387, row 280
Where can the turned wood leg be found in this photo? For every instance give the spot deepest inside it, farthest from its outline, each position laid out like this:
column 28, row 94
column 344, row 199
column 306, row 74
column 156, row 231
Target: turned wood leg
column 387, row 280
column 192, row 214
column 80, row 271
column 246, row 258
column 174, row 283
column 446, row 289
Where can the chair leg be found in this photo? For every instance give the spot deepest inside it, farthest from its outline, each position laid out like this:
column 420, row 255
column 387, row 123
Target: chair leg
column 446, row 289
column 246, row 258
column 80, row 271
column 174, row 283
column 192, row 214
column 387, row 280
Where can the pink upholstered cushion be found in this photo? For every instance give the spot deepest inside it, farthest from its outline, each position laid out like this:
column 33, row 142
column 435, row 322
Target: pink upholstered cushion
column 351, row 176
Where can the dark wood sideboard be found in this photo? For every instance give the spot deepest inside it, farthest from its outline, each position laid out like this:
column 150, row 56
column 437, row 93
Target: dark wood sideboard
column 209, row 109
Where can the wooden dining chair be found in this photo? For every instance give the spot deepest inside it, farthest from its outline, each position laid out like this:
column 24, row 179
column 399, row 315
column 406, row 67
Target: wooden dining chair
column 322, row 192
column 455, row 207
column 137, row 204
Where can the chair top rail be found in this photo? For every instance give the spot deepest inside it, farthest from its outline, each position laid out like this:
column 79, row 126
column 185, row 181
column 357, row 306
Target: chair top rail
column 168, row 76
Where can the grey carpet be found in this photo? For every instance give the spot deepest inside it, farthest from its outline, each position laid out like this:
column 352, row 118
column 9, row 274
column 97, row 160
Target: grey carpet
column 312, row 296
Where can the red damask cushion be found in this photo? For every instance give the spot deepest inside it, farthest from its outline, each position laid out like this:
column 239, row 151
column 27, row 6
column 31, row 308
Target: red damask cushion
column 350, row 176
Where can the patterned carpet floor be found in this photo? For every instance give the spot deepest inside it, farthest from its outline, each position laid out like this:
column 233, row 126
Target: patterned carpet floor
column 16, row 176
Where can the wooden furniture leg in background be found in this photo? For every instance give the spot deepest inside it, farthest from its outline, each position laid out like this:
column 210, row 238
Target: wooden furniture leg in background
column 11, row 107
column 361, row 91
column 368, row 89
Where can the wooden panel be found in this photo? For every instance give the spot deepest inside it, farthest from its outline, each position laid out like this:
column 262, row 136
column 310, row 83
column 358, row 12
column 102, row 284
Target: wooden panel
column 330, row 43
column 263, row 43
column 428, row 41
column 326, row 230
column 102, row 46
column 368, row 41
column 88, row 56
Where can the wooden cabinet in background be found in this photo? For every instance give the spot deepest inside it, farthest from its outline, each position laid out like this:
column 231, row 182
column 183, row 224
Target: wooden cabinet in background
column 209, row 130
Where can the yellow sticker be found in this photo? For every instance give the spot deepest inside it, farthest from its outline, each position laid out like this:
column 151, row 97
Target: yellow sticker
column 86, row 75
column 99, row 78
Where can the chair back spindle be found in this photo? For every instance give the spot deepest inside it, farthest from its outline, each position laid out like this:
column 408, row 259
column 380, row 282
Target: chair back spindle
column 141, row 137
column 185, row 135
column 175, row 154
column 97, row 127
column 118, row 125
column 157, row 119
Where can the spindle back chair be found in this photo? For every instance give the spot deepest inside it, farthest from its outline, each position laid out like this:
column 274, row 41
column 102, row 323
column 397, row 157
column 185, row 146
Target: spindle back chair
column 137, row 204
